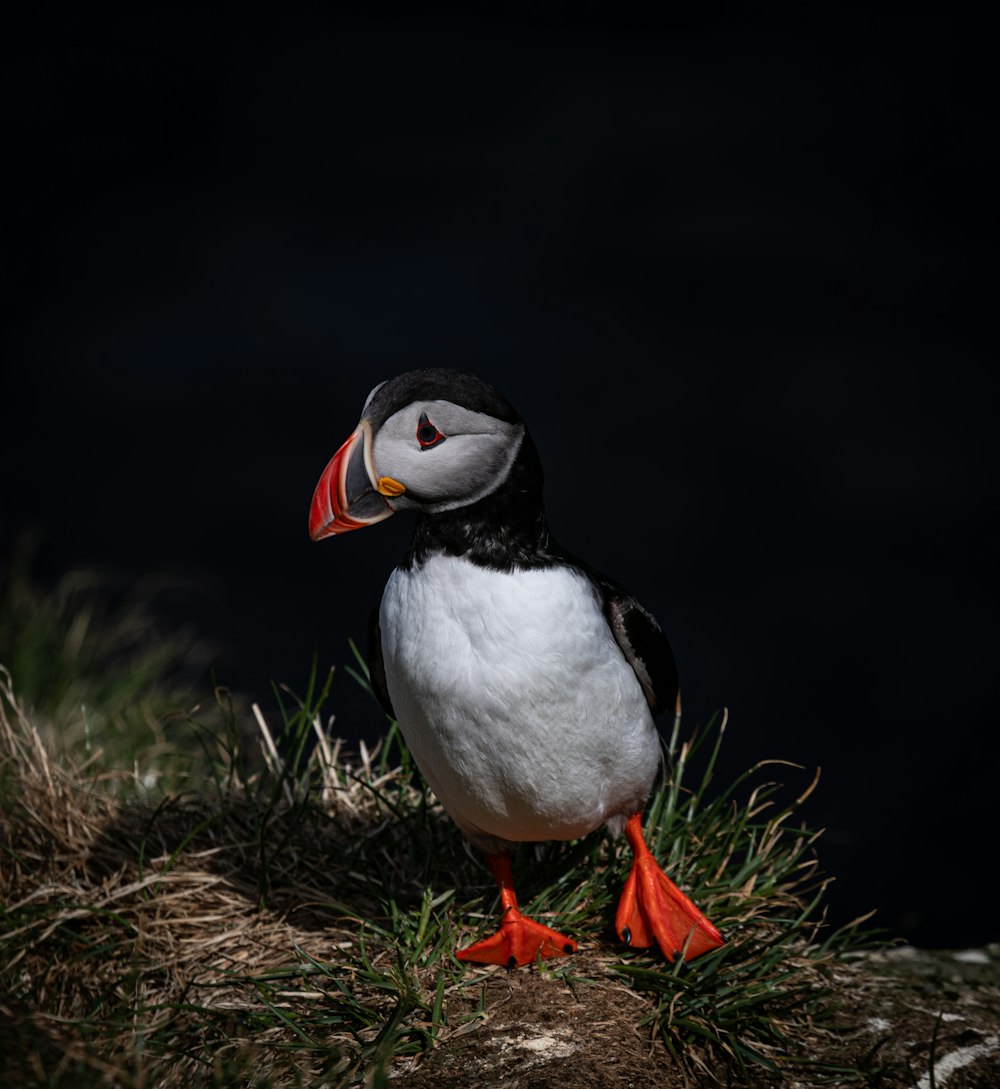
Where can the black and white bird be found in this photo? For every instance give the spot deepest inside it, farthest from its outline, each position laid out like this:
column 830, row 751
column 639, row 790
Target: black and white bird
column 524, row 682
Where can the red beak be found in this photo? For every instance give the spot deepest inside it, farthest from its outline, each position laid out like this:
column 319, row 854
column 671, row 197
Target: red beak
column 345, row 497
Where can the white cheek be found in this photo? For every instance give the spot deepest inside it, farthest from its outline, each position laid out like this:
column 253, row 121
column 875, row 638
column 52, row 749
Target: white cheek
column 458, row 471
column 457, row 466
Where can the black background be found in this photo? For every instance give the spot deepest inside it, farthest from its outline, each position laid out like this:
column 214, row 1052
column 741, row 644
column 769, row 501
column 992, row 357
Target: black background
column 735, row 270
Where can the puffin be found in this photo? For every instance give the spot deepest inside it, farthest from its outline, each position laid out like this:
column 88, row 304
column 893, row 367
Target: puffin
column 524, row 681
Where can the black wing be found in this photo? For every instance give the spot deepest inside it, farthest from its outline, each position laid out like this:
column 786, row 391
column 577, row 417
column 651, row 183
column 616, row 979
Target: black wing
column 376, row 664
column 647, row 650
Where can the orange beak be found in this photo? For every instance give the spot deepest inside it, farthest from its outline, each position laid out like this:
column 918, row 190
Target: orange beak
column 345, row 497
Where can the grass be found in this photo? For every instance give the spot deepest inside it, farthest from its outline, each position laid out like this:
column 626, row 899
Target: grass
column 288, row 916
column 92, row 663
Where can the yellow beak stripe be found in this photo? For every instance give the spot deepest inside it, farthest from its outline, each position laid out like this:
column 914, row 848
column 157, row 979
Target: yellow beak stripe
column 390, row 487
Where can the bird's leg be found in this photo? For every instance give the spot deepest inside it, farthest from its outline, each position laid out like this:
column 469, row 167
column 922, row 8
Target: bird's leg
column 653, row 908
column 520, row 939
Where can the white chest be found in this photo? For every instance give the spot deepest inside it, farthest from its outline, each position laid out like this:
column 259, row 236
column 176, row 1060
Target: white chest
column 518, row 705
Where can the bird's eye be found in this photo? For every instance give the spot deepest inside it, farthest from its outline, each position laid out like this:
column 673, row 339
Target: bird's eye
column 427, row 434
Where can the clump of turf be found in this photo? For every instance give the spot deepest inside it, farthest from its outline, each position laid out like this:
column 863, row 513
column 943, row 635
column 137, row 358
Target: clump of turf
column 288, row 917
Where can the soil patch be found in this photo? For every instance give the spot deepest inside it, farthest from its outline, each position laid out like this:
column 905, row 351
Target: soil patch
column 901, row 1014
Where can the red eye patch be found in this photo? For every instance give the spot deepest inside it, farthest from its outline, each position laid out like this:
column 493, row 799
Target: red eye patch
column 427, row 434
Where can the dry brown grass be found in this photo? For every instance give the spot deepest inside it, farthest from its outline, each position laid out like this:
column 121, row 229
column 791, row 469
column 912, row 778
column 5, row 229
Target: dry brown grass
column 147, row 942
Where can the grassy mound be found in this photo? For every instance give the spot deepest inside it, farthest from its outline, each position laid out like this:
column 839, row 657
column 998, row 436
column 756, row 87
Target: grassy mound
column 229, row 916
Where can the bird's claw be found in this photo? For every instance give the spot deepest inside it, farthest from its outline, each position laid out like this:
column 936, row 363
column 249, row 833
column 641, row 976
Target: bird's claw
column 519, row 941
column 652, row 908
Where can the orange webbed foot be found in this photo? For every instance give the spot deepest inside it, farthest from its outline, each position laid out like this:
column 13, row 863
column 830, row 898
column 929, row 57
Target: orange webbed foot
column 519, row 940
column 652, row 908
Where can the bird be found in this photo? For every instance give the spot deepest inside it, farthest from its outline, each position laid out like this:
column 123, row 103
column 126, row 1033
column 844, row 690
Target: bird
column 524, row 681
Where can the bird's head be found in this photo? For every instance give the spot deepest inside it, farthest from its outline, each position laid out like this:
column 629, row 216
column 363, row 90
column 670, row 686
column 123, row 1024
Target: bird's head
column 428, row 440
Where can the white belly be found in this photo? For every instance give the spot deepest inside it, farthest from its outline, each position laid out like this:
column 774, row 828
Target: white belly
column 519, row 707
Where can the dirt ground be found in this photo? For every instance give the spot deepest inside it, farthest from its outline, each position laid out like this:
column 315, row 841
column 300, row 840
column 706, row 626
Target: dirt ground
column 906, row 1019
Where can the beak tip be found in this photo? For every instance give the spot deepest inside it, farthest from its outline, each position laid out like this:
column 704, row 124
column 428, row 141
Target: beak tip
column 319, row 532
column 321, row 516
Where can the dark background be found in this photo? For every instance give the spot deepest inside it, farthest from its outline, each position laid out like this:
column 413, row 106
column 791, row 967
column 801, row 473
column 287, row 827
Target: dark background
column 736, row 271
